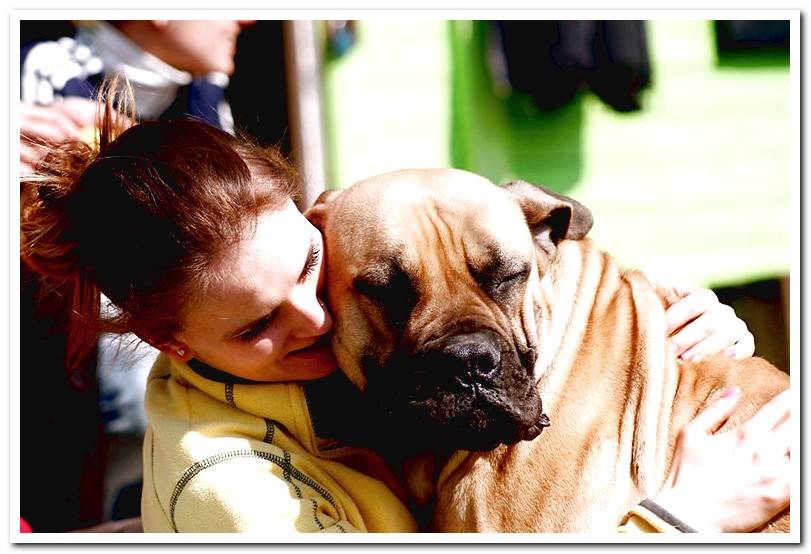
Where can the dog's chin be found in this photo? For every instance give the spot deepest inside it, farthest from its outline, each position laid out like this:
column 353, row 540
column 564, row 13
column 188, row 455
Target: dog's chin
column 475, row 430
column 478, row 421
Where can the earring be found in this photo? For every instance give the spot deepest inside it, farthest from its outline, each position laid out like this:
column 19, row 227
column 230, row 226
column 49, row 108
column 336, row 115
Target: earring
column 181, row 352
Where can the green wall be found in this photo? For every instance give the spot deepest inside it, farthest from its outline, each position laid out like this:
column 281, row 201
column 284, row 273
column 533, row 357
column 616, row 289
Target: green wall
column 695, row 186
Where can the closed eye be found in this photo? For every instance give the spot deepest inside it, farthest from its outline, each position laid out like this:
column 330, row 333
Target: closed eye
column 373, row 288
column 513, row 278
column 257, row 329
column 311, row 263
column 391, row 289
column 502, row 285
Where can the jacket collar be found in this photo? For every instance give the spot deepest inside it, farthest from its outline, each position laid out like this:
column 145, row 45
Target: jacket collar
column 330, row 407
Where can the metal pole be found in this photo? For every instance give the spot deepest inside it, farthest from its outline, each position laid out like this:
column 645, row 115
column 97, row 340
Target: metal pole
column 305, row 106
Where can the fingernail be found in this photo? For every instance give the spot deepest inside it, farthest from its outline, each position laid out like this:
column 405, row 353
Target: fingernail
column 731, row 392
column 690, row 355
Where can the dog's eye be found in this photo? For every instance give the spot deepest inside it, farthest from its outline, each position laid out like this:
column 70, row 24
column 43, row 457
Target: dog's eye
column 502, row 284
column 392, row 291
column 514, row 277
column 374, row 289
column 388, row 287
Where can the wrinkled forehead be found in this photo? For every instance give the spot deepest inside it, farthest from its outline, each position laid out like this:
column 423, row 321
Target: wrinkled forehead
column 383, row 214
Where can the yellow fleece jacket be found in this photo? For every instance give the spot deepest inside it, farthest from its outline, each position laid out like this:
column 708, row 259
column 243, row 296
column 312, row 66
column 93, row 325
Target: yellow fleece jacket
column 222, row 457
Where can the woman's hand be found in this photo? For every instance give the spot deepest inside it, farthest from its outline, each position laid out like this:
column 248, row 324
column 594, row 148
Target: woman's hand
column 699, row 325
column 733, row 481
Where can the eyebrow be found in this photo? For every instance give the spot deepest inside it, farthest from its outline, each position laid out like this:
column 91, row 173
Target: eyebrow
column 309, row 261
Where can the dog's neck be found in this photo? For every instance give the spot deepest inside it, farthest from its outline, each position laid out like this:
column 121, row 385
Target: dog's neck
column 563, row 299
column 582, row 284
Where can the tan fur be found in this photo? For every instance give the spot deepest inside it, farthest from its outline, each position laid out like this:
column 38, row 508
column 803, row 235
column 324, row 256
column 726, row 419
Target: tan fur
column 613, row 430
column 615, row 395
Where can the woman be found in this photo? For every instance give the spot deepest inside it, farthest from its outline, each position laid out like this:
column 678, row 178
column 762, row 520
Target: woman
column 222, row 273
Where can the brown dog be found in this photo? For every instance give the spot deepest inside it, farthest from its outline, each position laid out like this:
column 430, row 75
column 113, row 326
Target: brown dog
column 458, row 305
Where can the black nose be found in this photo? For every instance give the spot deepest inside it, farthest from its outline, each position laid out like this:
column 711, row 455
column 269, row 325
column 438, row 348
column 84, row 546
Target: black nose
column 472, row 355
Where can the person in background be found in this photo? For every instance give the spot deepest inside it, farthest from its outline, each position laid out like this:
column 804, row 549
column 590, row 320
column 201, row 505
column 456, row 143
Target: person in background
column 178, row 68
column 222, row 273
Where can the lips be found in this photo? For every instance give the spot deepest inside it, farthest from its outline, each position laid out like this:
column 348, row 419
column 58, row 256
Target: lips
column 314, row 348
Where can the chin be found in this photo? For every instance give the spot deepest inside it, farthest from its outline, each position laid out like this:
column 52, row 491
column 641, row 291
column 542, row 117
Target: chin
column 477, row 425
column 311, row 364
column 226, row 67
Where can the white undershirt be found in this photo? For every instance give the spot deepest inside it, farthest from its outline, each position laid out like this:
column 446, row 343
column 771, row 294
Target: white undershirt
column 155, row 82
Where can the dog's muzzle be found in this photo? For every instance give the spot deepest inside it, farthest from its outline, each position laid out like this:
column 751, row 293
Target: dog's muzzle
column 468, row 390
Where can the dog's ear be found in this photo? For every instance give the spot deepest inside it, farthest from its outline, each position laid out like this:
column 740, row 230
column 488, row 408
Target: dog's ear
column 318, row 212
column 551, row 217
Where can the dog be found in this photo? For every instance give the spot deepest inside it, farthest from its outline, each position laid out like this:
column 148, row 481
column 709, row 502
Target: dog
column 458, row 305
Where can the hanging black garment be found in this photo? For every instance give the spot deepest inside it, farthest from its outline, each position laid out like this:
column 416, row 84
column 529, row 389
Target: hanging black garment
column 621, row 68
column 734, row 36
column 546, row 59
column 553, row 60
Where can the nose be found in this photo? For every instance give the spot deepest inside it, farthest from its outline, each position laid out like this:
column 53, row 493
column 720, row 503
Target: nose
column 310, row 314
column 470, row 356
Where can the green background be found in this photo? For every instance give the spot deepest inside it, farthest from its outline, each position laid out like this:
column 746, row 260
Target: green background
column 695, row 186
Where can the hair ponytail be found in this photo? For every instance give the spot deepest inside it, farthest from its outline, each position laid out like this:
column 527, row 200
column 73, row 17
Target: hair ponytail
column 116, row 109
column 48, row 244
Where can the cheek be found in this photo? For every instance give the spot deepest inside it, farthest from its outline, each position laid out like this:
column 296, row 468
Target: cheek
column 266, row 347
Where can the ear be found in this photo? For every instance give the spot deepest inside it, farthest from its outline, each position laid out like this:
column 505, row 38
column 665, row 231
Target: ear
column 319, row 211
column 551, row 217
column 177, row 351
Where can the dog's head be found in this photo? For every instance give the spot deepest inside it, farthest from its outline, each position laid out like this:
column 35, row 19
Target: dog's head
column 434, row 287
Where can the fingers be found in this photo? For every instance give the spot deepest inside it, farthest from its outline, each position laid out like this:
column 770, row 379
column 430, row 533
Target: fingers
column 37, row 131
column 716, row 330
column 717, row 412
column 56, row 123
column 710, row 332
column 688, row 308
column 82, row 112
column 744, row 348
column 700, row 339
column 26, row 168
column 45, row 124
column 30, row 156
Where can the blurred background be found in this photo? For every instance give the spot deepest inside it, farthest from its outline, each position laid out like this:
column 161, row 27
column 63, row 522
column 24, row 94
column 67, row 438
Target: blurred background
column 675, row 133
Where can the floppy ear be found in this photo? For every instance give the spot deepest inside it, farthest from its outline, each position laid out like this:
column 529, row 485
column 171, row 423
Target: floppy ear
column 318, row 212
column 551, row 217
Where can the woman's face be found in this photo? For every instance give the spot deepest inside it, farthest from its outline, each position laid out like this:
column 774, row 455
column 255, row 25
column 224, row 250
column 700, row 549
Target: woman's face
column 263, row 320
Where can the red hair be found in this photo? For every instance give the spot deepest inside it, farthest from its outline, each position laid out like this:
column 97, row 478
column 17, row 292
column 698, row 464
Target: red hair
column 143, row 218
